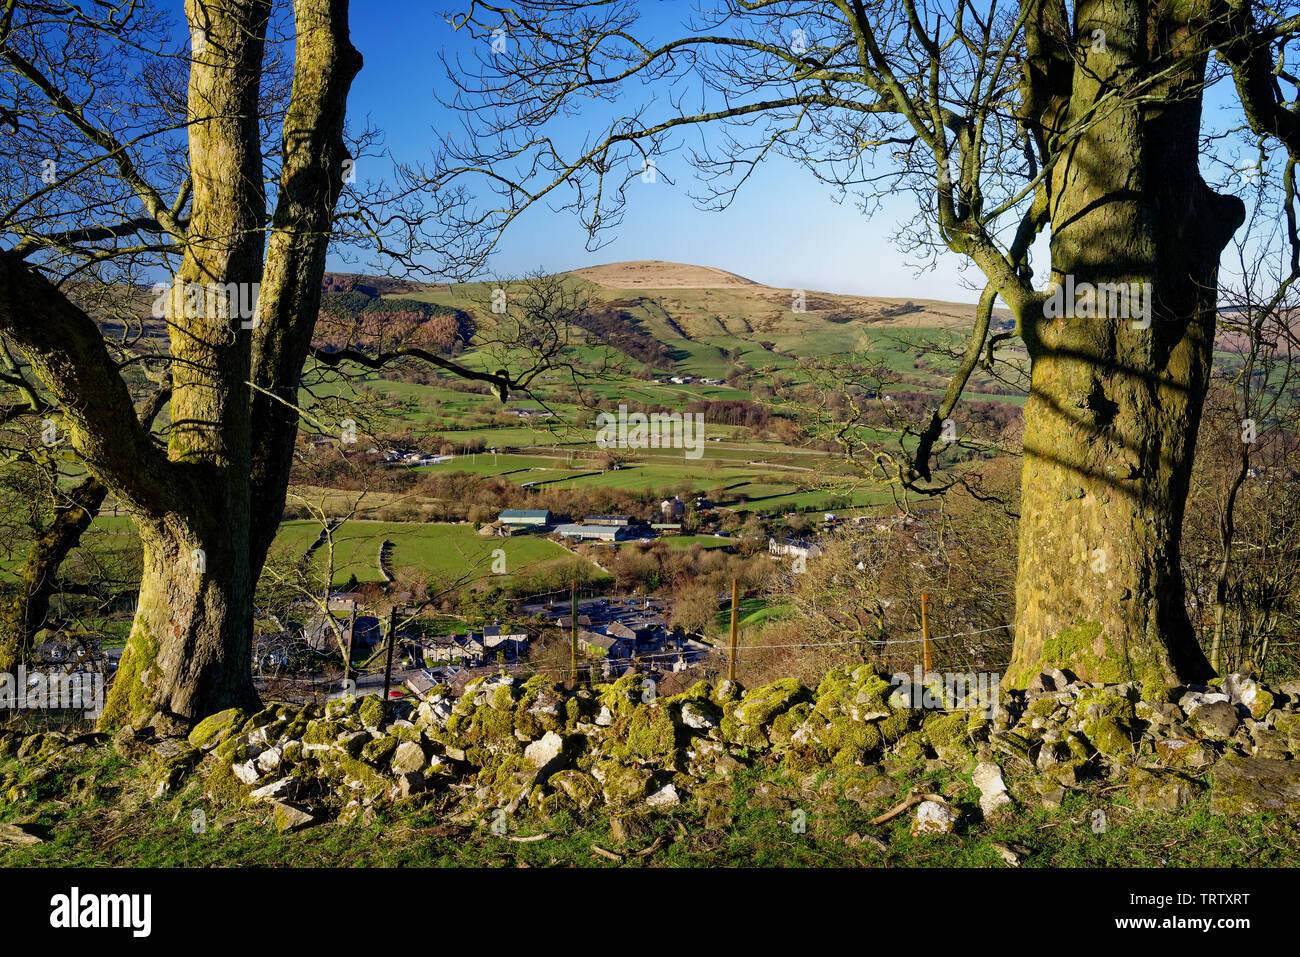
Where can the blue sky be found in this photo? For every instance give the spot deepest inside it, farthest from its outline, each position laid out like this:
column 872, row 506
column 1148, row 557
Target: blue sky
column 784, row 229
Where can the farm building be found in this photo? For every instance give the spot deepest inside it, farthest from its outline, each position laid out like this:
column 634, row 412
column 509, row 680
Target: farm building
column 615, row 520
column 526, row 516
column 593, row 533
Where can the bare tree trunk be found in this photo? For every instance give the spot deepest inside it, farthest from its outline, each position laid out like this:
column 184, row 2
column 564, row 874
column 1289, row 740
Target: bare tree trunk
column 190, row 645
column 1113, row 411
column 190, row 650
column 23, row 615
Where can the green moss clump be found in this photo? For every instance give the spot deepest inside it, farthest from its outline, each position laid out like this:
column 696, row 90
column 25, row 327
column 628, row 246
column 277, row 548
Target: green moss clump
column 803, row 760
column 647, row 734
column 1110, row 737
column 762, row 704
column 299, row 720
column 1042, row 708
column 572, row 713
column 372, row 711
column 502, row 698
column 945, row 729
column 741, row 735
column 621, row 697
column 624, row 786
column 378, row 750
column 580, row 790
column 897, row 725
column 130, row 697
column 1107, row 720
column 700, row 691
column 787, row 722
column 832, row 690
column 726, row 692
column 858, row 737
column 360, row 776
column 212, row 730
column 910, row 747
column 321, row 731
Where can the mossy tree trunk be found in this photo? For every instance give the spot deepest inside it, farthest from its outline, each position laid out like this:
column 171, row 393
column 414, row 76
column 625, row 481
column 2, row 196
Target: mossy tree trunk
column 24, row 614
column 190, row 649
column 207, row 507
column 1113, row 411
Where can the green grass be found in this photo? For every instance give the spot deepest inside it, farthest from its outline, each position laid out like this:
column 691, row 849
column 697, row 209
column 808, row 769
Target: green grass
column 443, row 550
column 93, row 810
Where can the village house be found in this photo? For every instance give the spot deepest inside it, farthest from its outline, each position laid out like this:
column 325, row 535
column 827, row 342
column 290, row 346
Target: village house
column 636, row 638
column 508, row 639
column 463, row 677
column 793, row 547
column 467, row 649
column 322, row 635
column 597, row 645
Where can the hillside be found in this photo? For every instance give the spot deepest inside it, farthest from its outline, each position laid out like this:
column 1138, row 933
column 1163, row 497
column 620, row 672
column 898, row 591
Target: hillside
column 656, row 274
column 702, row 321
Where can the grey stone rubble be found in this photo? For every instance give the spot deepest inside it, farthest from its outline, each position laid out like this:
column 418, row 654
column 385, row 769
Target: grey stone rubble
column 530, row 747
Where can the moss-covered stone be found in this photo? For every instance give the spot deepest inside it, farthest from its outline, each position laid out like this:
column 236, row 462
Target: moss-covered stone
column 622, row 785
column 372, row 711
column 787, row 722
column 760, row 705
column 322, row 732
column 212, row 730
column 1154, row 790
column 1107, row 719
column 580, row 790
column 647, row 734
column 944, row 729
column 378, row 750
column 1255, row 786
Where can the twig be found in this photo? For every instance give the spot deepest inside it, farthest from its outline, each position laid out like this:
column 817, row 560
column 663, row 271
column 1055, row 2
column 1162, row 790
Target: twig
column 608, row 854
column 912, row 801
column 659, row 842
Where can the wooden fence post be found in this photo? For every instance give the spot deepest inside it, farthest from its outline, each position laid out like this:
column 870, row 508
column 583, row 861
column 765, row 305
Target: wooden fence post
column 573, row 636
column 731, row 662
column 347, row 654
column 925, row 631
column 392, row 640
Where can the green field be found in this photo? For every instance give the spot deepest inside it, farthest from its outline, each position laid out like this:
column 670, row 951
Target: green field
column 443, row 551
